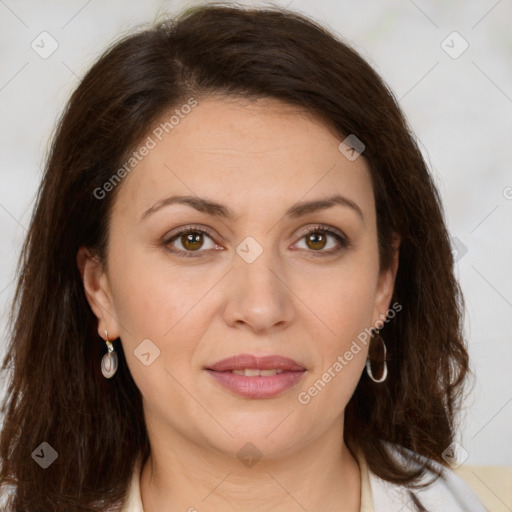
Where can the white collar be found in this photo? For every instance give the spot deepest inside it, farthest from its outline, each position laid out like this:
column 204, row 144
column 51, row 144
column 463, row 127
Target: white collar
column 448, row 493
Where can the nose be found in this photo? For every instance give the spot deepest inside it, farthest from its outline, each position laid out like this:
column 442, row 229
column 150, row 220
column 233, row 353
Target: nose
column 259, row 296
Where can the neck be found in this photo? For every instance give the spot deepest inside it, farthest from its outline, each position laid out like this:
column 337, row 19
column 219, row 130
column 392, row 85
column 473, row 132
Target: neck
column 188, row 476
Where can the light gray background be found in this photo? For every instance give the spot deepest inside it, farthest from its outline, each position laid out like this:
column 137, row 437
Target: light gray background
column 460, row 109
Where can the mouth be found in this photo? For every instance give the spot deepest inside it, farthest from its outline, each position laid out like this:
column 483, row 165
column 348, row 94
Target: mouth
column 260, row 363
column 255, row 372
column 257, row 377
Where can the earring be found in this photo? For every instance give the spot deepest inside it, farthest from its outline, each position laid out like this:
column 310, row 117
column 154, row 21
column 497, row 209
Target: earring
column 109, row 361
column 385, row 368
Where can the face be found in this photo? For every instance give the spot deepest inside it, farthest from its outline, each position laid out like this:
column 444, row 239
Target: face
column 262, row 275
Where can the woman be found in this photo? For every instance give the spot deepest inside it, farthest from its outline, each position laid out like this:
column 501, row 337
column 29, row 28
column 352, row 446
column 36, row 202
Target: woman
column 226, row 297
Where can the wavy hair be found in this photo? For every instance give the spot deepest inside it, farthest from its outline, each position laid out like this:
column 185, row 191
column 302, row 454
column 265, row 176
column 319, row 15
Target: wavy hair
column 56, row 392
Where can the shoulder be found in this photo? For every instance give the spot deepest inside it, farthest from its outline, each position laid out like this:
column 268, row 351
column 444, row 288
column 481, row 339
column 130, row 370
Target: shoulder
column 467, row 489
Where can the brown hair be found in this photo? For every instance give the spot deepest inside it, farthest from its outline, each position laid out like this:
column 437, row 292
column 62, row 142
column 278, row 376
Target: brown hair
column 56, row 391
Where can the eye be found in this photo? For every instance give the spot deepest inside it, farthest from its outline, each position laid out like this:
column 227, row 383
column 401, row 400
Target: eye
column 316, row 239
column 191, row 240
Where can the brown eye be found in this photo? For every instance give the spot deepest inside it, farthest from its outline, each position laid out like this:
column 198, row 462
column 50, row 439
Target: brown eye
column 316, row 241
column 189, row 241
column 192, row 241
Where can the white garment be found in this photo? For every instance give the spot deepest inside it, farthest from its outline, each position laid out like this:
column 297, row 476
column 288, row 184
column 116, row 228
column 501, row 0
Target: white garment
column 448, row 493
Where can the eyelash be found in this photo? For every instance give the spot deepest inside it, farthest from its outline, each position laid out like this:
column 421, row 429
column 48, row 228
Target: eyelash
column 319, row 228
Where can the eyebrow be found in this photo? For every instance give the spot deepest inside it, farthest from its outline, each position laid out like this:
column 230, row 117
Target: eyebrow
column 222, row 211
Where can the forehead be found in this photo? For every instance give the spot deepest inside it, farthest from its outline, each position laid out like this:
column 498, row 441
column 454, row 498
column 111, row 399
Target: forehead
column 247, row 153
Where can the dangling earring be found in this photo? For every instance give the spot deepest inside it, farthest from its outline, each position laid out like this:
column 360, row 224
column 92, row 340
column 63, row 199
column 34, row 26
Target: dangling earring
column 368, row 365
column 109, row 361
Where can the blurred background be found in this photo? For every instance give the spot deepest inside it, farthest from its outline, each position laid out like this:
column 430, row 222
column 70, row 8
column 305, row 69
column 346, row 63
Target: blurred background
column 449, row 63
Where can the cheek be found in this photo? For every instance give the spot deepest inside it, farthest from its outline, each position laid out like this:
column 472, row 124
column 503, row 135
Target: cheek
column 150, row 294
column 150, row 304
column 340, row 359
column 344, row 302
column 342, row 297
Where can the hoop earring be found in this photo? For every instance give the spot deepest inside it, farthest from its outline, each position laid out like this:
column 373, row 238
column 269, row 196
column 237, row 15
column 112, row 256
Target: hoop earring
column 385, row 368
column 109, row 360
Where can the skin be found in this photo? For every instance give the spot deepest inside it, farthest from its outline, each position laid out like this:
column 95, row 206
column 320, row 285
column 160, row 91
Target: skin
column 259, row 158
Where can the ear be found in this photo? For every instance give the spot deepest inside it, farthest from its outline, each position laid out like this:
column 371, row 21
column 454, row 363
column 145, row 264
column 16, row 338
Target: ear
column 386, row 284
column 97, row 292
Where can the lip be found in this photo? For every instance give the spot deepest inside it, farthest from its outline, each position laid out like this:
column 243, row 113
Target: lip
column 243, row 361
column 257, row 387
